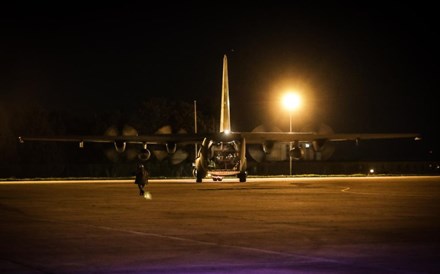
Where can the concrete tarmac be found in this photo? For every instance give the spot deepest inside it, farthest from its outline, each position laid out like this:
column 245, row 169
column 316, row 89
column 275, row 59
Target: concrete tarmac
column 282, row 225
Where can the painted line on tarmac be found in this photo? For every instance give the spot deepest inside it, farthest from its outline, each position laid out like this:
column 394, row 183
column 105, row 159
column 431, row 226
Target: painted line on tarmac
column 348, row 191
column 345, row 189
column 307, row 259
column 176, row 238
column 182, row 239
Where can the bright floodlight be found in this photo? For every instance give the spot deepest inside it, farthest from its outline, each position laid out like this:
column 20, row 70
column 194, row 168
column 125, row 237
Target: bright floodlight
column 291, row 101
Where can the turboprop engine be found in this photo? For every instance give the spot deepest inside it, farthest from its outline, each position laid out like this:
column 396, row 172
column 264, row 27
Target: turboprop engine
column 268, row 151
column 120, row 146
column 144, row 154
column 121, row 151
column 296, row 152
column 322, row 150
column 172, row 150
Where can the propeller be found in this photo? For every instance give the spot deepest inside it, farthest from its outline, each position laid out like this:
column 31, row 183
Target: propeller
column 161, row 154
column 322, row 150
column 120, row 152
column 270, row 151
column 175, row 157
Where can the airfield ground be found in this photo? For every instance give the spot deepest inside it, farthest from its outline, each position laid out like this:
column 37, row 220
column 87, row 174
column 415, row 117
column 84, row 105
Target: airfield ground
column 268, row 225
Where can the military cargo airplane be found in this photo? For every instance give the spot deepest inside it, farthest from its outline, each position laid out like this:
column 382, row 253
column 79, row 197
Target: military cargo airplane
column 223, row 153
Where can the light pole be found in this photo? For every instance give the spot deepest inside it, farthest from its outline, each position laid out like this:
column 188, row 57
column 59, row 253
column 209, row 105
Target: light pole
column 290, row 144
column 291, row 102
column 195, row 128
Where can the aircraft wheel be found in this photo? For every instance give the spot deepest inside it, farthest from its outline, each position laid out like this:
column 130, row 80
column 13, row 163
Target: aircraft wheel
column 198, row 177
column 242, row 177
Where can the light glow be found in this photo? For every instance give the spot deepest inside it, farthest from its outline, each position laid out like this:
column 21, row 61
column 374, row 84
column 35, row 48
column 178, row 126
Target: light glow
column 291, row 101
column 147, row 195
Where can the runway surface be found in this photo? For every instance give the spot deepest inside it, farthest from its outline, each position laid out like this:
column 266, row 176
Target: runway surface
column 294, row 225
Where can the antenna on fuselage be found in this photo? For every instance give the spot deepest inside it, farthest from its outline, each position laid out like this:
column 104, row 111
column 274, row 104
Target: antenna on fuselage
column 225, row 122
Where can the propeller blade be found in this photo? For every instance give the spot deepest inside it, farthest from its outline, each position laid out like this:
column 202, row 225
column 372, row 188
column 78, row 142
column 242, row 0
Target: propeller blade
column 128, row 154
column 128, row 130
column 275, row 151
column 112, row 131
column 179, row 156
column 326, row 150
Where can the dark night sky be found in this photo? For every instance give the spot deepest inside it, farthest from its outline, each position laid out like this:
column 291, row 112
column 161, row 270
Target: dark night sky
column 361, row 68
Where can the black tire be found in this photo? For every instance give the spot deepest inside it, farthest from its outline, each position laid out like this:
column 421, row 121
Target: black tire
column 198, row 179
column 242, row 177
column 197, row 175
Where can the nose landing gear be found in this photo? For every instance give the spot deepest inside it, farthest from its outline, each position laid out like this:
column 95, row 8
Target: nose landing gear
column 217, row 178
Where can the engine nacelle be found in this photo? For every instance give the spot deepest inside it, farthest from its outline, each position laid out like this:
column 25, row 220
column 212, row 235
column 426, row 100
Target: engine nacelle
column 267, row 147
column 144, row 154
column 120, row 146
column 171, row 147
column 318, row 144
column 296, row 153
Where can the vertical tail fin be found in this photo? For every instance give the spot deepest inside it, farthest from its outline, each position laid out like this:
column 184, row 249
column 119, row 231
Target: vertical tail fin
column 225, row 122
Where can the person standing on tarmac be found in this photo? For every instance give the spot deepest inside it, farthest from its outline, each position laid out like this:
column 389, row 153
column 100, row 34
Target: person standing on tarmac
column 141, row 178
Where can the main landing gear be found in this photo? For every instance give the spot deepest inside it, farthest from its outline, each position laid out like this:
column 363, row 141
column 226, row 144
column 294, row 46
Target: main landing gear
column 242, row 177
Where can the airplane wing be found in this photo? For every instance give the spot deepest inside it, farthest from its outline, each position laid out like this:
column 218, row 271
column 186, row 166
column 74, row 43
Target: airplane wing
column 251, row 137
column 261, row 137
column 141, row 139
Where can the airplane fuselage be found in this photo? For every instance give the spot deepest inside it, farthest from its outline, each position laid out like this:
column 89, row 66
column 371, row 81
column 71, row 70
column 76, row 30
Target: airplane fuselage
column 224, row 159
column 219, row 158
